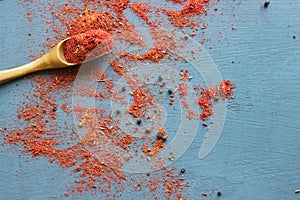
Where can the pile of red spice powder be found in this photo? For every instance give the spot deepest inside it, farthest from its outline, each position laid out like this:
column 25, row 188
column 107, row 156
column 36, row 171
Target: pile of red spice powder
column 88, row 46
column 43, row 136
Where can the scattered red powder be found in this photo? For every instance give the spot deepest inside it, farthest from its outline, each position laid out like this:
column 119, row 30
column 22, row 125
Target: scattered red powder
column 127, row 140
column 39, row 140
column 191, row 114
column 88, row 45
column 157, row 145
column 177, row 1
column 138, row 107
column 91, row 20
column 224, row 90
column 64, row 107
column 118, row 67
column 29, row 15
column 157, row 52
column 182, row 17
column 140, row 9
column 182, row 89
column 118, row 6
column 89, row 23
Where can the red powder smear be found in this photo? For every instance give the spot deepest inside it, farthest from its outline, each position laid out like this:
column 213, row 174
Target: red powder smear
column 182, row 18
column 191, row 114
column 118, row 67
column 38, row 140
column 157, row 145
column 127, row 140
column 176, row 1
column 29, row 15
column 138, row 107
column 205, row 105
column 132, row 37
column 156, row 53
column 140, row 9
column 224, row 90
column 64, row 107
column 185, row 104
column 88, row 45
column 182, row 90
column 91, row 20
column 118, row 5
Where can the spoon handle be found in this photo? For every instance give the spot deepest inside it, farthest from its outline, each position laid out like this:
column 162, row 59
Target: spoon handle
column 10, row 74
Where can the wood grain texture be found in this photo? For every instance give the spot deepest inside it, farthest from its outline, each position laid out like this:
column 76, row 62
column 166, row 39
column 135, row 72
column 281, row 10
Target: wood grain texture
column 257, row 156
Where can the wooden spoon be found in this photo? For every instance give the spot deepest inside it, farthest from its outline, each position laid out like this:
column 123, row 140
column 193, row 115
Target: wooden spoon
column 54, row 59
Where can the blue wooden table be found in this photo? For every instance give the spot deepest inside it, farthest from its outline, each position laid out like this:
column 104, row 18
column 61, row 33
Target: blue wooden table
column 257, row 156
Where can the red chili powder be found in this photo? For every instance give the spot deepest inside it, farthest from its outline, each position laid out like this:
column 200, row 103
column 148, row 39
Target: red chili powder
column 90, row 20
column 224, row 90
column 182, row 89
column 182, row 17
column 140, row 9
column 127, row 140
column 177, row 1
column 88, row 45
column 138, row 107
column 158, row 51
column 118, row 67
column 89, row 23
column 157, row 145
column 118, row 6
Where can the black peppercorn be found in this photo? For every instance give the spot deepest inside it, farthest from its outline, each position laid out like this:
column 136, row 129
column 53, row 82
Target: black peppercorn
column 159, row 136
column 139, row 121
column 219, row 193
column 267, row 3
column 182, row 171
column 170, row 91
